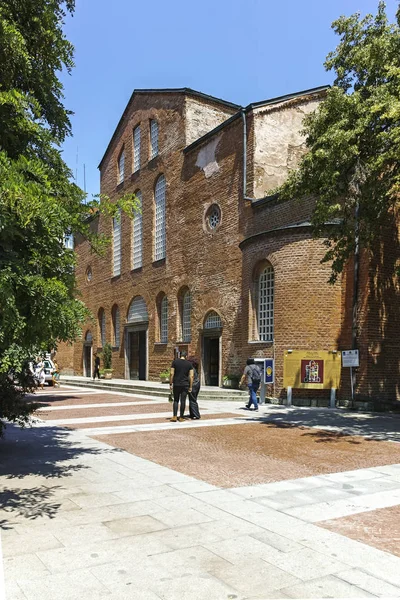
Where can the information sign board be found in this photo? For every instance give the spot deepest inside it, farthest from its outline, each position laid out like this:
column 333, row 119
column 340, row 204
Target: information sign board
column 350, row 358
column 311, row 369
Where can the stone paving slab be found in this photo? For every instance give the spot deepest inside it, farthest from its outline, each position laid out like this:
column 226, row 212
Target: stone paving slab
column 129, row 528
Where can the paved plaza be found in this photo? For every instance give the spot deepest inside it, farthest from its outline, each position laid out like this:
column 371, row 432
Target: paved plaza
column 106, row 498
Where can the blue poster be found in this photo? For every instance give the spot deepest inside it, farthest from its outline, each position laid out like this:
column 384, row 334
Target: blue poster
column 269, row 370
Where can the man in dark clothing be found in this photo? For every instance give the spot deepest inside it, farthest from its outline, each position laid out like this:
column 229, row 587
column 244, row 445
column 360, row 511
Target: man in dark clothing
column 96, row 366
column 181, row 381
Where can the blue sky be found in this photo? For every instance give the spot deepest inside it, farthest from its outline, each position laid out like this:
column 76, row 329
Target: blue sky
column 239, row 50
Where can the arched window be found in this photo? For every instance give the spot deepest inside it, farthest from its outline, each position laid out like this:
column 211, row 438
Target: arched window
column 137, row 235
column 117, row 244
column 265, row 304
column 153, row 138
column 136, row 149
column 121, row 167
column 163, row 316
column 88, row 337
column 116, row 327
column 159, row 233
column 213, row 321
column 102, row 327
column 138, row 311
column 186, row 317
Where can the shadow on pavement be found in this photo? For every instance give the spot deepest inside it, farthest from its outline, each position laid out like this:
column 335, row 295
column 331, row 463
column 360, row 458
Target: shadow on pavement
column 374, row 426
column 29, row 455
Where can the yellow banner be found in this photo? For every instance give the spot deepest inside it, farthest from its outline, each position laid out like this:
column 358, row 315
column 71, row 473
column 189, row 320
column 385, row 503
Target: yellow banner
column 311, row 369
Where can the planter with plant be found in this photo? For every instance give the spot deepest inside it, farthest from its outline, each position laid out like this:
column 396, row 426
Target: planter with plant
column 231, row 381
column 107, row 361
column 164, row 376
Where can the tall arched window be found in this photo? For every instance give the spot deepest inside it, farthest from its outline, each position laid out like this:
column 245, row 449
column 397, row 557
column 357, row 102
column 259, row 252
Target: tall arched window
column 164, row 320
column 116, row 327
column 186, row 317
column 265, row 305
column 102, row 327
column 137, row 235
column 121, row 167
column 117, row 244
column 153, row 138
column 160, row 221
column 136, row 149
column 137, row 312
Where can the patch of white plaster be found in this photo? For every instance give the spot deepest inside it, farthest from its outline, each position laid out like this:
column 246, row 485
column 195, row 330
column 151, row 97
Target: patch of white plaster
column 206, row 158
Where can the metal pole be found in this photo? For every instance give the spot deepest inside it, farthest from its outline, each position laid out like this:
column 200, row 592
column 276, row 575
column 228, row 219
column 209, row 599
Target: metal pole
column 351, row 385
column 332, row 402
column 289, row 396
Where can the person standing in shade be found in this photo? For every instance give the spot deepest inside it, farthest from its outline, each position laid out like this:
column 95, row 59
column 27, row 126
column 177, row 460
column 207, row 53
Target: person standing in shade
column 193, row 406
column 181, row 382
column 96, row 366
column 252, row 376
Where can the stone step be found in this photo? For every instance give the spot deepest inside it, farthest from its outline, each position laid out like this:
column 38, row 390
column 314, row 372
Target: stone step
column 158, row 391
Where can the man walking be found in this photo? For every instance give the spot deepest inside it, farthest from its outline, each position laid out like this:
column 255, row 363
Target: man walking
column 252, row 376
column 96, row 366
column 181, row 382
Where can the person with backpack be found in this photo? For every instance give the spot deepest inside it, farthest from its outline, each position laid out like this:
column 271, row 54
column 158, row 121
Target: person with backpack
column 252, row 377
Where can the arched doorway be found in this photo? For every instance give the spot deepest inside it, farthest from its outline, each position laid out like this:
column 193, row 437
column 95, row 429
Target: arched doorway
column 136, row 327
column 211, row 349
column 87, row 354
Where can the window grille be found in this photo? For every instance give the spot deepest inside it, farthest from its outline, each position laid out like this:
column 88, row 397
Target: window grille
column 153, row 138
column 213, row 321
column 89, row 337
column 186, row 310
column 102, row 322
column 138, row 311
column 266, row 305
column 136, row 149
column 117, row 244
column 159, row 237
column 164, row 320
column 121, row 167
column 116, row 327
column 137, row 235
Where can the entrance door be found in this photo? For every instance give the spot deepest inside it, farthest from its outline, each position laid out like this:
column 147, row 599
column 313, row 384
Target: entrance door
column 211, row 360
column 137, row 355
column 87, row 360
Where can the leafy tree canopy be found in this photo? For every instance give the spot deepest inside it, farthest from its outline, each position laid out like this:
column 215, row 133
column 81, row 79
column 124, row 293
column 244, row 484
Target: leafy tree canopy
column 39, row 203
column 352, row 166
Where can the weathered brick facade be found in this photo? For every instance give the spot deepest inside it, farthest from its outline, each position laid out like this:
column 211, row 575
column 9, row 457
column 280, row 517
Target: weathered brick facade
column 201, row 155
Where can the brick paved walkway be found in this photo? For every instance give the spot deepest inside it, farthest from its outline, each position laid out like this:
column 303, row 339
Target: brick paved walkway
column 238, row 505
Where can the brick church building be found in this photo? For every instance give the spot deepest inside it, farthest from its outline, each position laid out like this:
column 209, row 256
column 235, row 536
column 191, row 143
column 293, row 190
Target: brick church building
column 215, row 263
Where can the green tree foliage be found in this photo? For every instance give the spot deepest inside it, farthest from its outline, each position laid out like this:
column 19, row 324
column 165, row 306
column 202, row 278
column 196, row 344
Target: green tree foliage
column 39, row 203
column 353, row 139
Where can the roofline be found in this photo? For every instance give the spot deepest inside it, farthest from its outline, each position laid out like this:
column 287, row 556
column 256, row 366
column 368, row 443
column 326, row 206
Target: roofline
column 278, row 99
column 301, row 225
column 252, row 106
column 185, row 90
